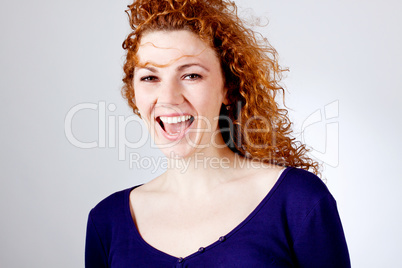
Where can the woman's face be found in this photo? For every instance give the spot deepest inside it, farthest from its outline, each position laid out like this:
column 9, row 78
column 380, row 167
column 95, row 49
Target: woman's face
column 179, row 90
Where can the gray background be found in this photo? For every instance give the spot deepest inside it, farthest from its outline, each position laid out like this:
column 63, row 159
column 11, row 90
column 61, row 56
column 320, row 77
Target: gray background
column 54, row 55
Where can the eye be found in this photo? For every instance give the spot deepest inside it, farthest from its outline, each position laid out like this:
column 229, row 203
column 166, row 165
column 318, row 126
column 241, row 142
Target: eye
column 149, row 78
column 192, row 76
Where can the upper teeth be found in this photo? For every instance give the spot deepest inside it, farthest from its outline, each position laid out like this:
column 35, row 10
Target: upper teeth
column 174, row 119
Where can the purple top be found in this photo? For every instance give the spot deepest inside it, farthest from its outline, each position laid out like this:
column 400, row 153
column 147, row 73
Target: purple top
column 295, row 225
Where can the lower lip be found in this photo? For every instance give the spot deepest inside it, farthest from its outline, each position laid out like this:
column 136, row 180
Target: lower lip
column 174, row 137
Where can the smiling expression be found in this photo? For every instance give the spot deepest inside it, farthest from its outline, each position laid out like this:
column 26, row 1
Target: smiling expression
column 179, row 90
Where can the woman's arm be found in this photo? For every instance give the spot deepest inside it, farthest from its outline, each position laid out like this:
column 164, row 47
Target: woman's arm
column 95, row 256
column 321, row 241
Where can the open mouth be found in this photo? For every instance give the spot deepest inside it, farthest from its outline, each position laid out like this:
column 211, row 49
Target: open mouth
column 174, row 125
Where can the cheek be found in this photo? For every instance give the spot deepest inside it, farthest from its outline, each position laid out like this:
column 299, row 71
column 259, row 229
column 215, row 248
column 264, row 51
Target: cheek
column 214, row 96
column 208, row 103
column 144, row 107
column 142, row 99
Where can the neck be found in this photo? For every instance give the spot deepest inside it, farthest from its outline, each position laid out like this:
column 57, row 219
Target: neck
column 200, row 172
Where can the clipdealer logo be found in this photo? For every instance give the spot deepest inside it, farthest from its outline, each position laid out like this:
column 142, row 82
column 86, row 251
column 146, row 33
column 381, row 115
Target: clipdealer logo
column 112, row 131
column 108, row 132
column 326, row 118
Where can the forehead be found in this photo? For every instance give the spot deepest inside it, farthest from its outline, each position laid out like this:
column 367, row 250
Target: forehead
column 169, row 47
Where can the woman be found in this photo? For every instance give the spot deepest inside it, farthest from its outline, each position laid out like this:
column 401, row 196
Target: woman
column 237, row 192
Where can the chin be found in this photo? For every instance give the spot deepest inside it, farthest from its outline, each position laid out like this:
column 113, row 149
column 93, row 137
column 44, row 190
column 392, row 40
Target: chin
column 175, row 153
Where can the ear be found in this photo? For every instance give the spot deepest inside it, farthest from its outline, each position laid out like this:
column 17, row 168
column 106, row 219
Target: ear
column 226, row 99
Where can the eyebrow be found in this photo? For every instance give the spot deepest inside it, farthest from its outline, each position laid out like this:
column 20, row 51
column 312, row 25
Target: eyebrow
column 149, row 68
column 180, row 68
column 185, row 66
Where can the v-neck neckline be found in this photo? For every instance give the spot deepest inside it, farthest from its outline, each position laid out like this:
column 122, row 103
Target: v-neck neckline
column 252, row 214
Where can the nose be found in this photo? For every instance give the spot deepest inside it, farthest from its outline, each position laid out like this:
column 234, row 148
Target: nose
column 170, row 93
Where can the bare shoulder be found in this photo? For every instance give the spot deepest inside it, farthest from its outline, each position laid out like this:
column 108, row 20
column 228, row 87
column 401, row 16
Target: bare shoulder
column 148, row 189
column 259, row 174
column 144, row 200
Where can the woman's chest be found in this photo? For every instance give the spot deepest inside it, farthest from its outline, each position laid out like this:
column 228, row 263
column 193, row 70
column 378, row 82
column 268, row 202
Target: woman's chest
column 257, row 242
column 182, row 229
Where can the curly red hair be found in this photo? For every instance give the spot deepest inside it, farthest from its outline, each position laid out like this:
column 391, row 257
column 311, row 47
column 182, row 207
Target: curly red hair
column 251, row 72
